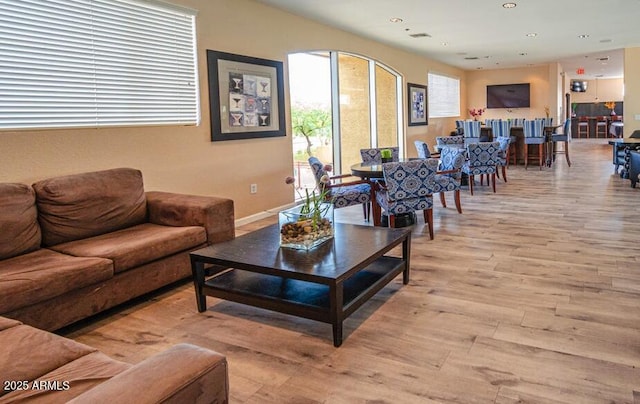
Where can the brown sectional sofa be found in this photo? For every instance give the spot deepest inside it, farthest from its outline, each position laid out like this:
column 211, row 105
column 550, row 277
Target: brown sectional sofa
column 42, row 367
column 75, row 245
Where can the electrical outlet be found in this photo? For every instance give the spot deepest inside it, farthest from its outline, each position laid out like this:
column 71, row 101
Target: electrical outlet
column 253, row 189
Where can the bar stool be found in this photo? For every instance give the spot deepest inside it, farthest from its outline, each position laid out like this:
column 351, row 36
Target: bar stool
column 583, row 126
column 601, row 126
column 534, row 135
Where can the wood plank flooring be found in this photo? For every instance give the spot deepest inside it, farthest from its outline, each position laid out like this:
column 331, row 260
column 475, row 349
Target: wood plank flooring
column 531, row 295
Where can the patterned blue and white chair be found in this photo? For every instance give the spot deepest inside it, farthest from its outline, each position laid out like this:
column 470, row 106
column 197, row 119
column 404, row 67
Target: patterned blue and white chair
column 449, row 141
column 471, row 131
column 423, row 149
column 482, row 159
column 373, row 155
column 503, row 129
column 562, row 138
column 534, row 135
column 343, row 194
column 408, row 187
column 503, row 162
column 449, row 174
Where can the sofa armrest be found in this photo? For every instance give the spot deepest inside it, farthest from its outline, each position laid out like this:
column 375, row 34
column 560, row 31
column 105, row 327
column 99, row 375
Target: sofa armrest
column 214, row 213
column 182, row 374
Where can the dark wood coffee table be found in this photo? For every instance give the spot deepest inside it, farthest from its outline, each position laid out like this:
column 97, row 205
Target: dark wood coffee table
column 325, row 284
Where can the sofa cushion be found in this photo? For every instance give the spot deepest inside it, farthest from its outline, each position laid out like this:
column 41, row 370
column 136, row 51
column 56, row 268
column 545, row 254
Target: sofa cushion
column 137, row 245
column 45, row 352
column 77, row 206
column 82, row 374
column 18, row 220
column 43, row 274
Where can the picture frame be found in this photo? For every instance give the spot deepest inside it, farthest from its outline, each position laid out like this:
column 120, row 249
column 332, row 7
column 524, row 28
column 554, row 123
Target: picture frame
column 246, row 97
column 417, row 108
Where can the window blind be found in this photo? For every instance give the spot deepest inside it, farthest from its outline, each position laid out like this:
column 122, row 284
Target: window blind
column 444, row 96
column 93, row 63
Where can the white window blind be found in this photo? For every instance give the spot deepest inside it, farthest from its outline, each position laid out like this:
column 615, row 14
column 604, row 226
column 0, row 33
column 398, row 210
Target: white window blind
column 444, row 96
column 92, row 63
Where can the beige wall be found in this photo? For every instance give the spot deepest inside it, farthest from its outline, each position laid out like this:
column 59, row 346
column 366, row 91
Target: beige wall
column 607, row 90
column 182, row 159
column 543, row 90
column 631, row 90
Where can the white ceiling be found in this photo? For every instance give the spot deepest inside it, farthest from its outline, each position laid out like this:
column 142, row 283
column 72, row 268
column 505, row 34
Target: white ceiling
column 485, row 30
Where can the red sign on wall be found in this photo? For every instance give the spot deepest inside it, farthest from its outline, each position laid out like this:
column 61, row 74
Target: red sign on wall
column 580, row 70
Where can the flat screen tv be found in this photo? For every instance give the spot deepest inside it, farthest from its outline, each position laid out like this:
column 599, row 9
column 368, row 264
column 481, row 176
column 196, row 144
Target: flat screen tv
column 508, row 96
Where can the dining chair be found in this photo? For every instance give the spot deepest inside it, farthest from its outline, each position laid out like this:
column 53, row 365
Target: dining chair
column 534, row 135
column 449, row 175
column 482, row 158
column 343, row 193
column 503, row 161
column 373, row 155
column 601, row 126
column 583, row 126
column 423, row 149
column 471, row 131
column 455, row 141
column 501, row 129
column 408, row 187
column 563, row 137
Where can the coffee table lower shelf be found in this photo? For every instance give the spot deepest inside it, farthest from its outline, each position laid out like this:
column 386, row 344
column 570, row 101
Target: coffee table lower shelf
column 329, row 303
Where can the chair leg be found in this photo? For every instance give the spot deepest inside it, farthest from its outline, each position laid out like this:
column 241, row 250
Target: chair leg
column 442, row 201
column 456, row 195
column 526, row 155
column 471, row 180
column 377, row 213
column 365, row 208
column 493, row 179
column 504, row 173
column 428, row 218
column 566, row 152
column 392, row 221
column 540, row 154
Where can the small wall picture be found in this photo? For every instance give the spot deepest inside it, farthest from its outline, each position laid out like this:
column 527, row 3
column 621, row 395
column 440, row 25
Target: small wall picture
column 417, row 104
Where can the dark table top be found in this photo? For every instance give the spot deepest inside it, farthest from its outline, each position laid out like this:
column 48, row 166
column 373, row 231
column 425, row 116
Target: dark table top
column 352, row 247
column 624, row 141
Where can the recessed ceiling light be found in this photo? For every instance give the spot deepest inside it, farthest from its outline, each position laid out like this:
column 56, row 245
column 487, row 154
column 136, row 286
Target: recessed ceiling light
column 532, row 35
column 583, row 36
column 509, row 5
column 445, row 44
column 522, row 54
column 395, row 19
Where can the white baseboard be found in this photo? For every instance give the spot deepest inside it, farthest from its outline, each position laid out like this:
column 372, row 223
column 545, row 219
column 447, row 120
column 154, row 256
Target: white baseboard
column 261, row 215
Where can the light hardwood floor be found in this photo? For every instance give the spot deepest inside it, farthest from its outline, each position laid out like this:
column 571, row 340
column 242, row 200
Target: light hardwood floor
column 531, row 295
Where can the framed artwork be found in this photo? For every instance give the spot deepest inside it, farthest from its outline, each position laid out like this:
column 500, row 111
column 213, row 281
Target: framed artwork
column 246, row 97
column 417, row 108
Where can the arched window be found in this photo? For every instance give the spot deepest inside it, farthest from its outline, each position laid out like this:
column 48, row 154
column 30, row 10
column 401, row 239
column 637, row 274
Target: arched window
column 341, row 103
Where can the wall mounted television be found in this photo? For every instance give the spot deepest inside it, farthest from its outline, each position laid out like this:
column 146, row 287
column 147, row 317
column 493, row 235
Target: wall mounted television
column 508, row 96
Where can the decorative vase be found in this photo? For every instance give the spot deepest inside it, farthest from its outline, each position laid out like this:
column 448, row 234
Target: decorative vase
column 305, row 230
column 613, row 112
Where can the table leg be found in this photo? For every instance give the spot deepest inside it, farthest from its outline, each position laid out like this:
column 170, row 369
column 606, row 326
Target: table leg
column 197, row 268
column 336, row 301
column 406, row 256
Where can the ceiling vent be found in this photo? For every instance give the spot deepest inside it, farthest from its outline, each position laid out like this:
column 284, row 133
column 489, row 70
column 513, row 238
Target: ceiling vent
column 471, row 58
column 604, row 59
column 420, row 35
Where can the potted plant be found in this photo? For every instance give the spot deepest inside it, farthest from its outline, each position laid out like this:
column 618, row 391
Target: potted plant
column 386, row 155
